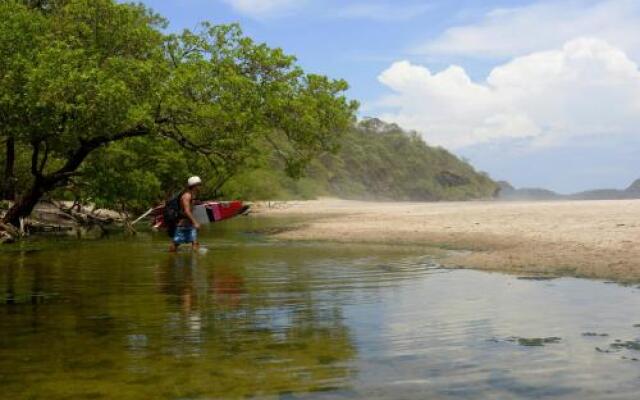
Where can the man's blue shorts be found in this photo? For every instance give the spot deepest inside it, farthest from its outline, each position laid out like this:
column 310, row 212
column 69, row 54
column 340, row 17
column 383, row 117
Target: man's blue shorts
column 185, row 234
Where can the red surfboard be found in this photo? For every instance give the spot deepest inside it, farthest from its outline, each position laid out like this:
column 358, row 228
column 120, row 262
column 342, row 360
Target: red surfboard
column 207, row 212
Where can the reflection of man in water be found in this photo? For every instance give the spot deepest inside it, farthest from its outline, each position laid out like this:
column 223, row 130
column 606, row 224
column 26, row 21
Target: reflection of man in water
column 184, row 287
column 227, row 287
column 176, row 280
column 181, row 279
column 184, row 282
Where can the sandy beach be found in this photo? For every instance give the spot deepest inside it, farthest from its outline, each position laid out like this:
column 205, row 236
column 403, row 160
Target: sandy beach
column 594, row 239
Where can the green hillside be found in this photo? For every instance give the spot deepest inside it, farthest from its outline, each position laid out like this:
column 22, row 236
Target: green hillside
column 377, row 161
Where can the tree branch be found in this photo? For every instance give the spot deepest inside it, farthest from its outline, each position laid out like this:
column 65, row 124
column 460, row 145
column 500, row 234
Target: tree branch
column 45, row 158
column 177, row 136
column 86, row 147
column 35, row 155
column 277, row 149
column 222, row 180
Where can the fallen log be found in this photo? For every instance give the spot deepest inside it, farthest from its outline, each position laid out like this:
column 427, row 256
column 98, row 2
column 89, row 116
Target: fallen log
column 6, row 238
column 8, row 233
column 52, row 217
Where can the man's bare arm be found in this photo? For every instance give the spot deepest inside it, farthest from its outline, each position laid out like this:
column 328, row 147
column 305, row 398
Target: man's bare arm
column 186, row 207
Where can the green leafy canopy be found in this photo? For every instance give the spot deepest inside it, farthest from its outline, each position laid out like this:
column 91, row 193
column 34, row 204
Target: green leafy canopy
column 80, row 78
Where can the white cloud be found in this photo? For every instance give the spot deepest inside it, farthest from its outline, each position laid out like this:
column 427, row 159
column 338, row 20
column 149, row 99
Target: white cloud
column 586, row 88
column 542, row 26
column 382, row 11
column 264, row 8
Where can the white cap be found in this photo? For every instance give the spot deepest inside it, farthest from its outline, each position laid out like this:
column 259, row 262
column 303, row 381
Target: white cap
column 194, row 180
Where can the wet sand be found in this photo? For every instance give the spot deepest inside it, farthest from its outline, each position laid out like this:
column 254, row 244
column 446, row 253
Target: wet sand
column 593, row 239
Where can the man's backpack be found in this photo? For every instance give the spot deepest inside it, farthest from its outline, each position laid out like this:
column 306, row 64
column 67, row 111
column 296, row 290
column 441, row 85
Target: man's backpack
column 173, row 213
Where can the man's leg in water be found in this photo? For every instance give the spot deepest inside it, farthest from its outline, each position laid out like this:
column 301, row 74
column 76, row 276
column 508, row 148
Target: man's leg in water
column 195, row 245
column 173, row 247
column 177, row 239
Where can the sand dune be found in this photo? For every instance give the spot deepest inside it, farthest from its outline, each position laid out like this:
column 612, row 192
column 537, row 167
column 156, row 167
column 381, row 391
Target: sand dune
column 597, row 239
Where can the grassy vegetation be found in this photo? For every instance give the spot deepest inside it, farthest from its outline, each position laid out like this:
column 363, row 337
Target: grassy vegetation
column 376, row 160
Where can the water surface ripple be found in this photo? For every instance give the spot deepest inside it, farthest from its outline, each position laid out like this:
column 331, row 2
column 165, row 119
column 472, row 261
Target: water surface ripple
column 253, row 318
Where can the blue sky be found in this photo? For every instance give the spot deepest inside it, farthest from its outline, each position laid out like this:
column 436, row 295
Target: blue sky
column 326, row 40
column 540, row 93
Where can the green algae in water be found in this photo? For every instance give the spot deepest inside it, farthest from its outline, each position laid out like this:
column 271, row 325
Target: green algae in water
column 538, row 341
column 529, row 342
column 621, row 345
column 537, row 278
column 629, row 345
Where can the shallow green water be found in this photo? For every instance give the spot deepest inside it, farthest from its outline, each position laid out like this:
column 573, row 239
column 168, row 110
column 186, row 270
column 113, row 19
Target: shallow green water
column 122, row 319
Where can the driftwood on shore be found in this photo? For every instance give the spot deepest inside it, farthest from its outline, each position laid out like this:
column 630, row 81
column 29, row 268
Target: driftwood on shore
column 64, row 218
column 8, row 233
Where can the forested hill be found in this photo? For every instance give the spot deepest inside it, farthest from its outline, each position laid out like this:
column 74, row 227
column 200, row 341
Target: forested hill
column 376, row 161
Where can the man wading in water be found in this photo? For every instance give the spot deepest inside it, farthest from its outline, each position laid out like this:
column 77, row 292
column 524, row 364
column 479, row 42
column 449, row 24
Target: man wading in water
column 182, row 226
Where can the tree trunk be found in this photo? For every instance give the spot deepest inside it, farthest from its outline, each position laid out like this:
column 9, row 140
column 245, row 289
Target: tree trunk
column 9, row 179
column 24, row 206
column 45, row 183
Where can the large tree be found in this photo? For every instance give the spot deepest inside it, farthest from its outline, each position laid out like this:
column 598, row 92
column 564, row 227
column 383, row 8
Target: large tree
column 90, row 73
column 20, row 32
